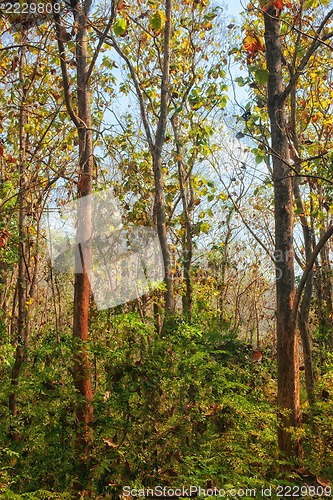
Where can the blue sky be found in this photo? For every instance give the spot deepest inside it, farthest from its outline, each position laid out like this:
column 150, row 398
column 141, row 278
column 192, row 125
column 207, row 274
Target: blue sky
column 234, row 7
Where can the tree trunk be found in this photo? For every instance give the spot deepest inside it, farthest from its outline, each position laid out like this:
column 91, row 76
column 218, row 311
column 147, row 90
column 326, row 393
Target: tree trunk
column 287, row 345
column 304, row 310
column 303, row 315
column 162, row 231
column 303, row 324
column 187, row 299
column 83, row 257
column 157, row 162
column 186, row 194
column 22, row 333
column 156, row 142
column 326, row 291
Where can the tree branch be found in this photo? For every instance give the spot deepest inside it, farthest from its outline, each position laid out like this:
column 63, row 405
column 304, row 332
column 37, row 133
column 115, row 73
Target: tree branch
column 68, row 102
column 159, row 137
column 100, row 43
column 309, row 265
column 139, row 94
column 313, row 47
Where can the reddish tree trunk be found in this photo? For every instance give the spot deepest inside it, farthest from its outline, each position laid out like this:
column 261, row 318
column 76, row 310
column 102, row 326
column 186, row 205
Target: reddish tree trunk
column 82, row 289
column 287, row 342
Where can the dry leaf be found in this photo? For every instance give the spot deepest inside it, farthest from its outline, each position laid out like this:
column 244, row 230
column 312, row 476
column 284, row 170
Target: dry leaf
column 323, row 481
column 252, row 44
column 110, row 443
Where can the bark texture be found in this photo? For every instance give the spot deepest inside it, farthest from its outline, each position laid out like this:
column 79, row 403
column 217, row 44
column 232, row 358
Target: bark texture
column 304, row 310
column 21, row 286
column 82, row 289
column 157, row 162
column 287, row 344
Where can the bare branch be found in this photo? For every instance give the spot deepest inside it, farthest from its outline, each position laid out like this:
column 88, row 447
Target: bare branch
column 139, row 94
column 316, row 43
column 62, row 53
column 100, row 43
column 309, row 266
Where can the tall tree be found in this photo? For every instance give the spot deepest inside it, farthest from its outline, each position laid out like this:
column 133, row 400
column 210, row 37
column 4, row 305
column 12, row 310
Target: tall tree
column 22, row 333
column 79, row 110
column 176, row 89
column 161, row 21
column 33, row 180
column 281, row 85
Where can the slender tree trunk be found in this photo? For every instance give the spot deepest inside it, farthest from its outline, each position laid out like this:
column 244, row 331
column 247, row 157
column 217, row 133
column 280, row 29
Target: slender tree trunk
column 317, row 277
column 186, row 193
column 187, row 299
column 162, row 231
column 224, row 266
column 304, row 310
column 303, row 324
column 157, row 162
column 22, row 333
column 156, row 142
column 287, row 344
column 326, row 291
column 82, row 291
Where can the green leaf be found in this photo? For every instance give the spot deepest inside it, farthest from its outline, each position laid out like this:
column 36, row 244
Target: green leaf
column 204, row 227
column 120, row 26
column 261, row 76
column 156, row 20
column 311, row 4
column 259, row 159
column 241, row 81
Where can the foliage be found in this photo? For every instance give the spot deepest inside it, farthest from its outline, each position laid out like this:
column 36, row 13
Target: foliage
column 180, row 407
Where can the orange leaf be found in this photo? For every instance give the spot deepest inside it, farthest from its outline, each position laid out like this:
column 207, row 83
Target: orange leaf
column 278, row 4
column 4, row 235
column 122, row 5
column 323, row 481
column 252, row 44
column 11, row 159
column 256, row 356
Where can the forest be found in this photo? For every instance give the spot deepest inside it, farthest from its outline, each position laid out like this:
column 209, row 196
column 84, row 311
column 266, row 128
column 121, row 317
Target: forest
column 166, row 206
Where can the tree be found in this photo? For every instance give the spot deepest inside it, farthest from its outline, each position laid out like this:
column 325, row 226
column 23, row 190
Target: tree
column 160, row 22
column 287, row 346
column 79, row 110
column 22, row 330
column 175, row 99
column 280, row 88
column 26, row 183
